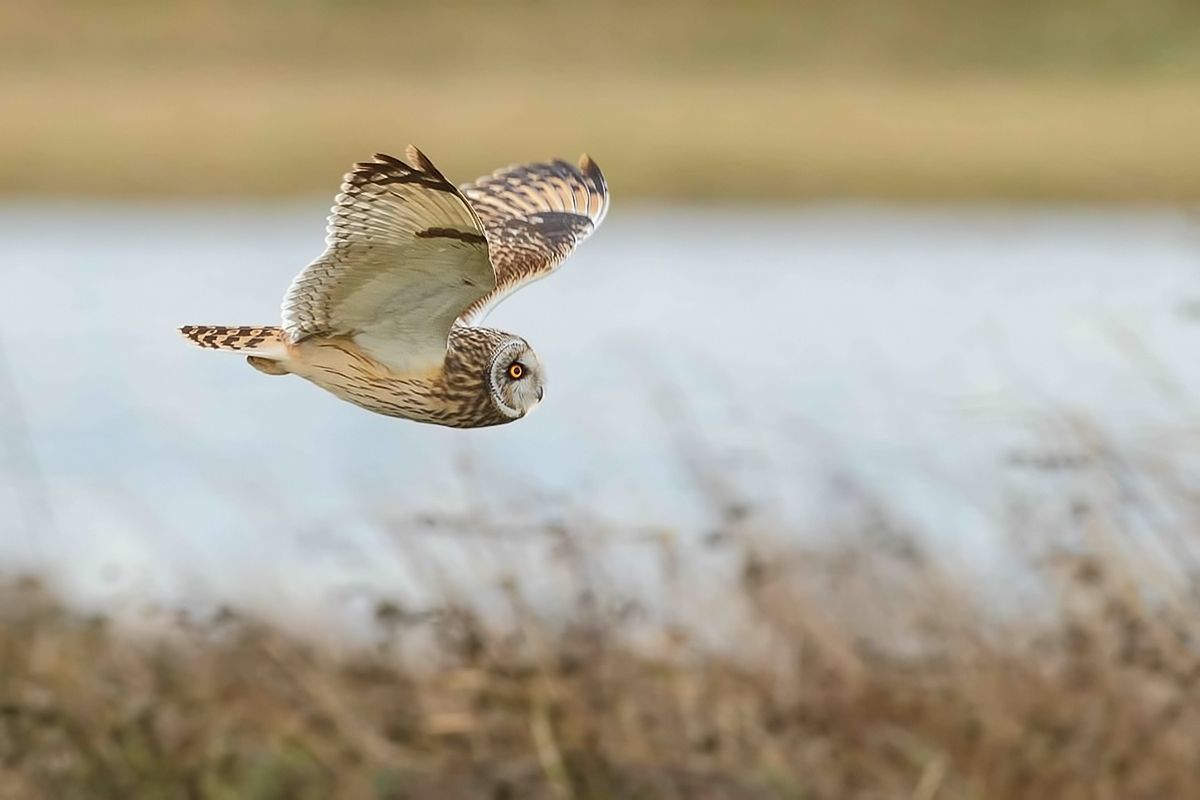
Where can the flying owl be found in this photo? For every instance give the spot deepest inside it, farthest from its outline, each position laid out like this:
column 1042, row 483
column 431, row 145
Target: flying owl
column 388, row 318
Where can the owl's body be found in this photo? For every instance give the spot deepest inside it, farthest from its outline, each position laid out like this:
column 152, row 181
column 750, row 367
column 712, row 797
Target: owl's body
column 387, row 317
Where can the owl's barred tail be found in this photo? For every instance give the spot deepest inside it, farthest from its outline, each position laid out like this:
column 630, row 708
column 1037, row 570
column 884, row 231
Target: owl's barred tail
column 262, row 344
column 243, row 337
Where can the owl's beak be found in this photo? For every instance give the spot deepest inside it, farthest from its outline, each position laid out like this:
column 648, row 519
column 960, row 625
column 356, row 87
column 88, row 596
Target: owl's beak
column 541, row 392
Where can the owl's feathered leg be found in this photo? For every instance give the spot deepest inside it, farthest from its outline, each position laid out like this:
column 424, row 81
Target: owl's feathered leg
column 267, row 365
column 266, row 342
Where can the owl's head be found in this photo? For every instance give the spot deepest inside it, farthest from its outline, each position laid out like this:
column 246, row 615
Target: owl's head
column 515, row 378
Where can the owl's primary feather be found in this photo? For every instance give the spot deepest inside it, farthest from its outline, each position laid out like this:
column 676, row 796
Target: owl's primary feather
column 385, row 317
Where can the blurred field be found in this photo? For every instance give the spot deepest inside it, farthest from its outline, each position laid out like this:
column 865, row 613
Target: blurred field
column 920, row 100
column 865, row 670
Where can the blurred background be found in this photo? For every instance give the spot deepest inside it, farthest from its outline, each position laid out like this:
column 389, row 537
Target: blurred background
column 1070, row 101
column 887, row 346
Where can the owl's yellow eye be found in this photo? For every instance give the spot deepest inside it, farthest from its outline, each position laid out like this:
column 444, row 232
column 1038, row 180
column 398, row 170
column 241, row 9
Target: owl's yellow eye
column 516, row 370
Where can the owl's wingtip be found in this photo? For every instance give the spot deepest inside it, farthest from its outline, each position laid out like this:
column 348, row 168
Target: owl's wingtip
column 414, row 156
column 591, row 169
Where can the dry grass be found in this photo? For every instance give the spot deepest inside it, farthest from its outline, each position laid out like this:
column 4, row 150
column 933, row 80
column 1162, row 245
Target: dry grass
column 926, row 99
column 865, row 670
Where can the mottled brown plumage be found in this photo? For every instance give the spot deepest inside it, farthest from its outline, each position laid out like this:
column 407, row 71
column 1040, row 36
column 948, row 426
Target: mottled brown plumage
column 534, row 215
column 387, row 317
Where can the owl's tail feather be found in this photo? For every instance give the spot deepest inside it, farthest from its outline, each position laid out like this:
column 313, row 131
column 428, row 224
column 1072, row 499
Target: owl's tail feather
column 257, row 339
column 263, row 345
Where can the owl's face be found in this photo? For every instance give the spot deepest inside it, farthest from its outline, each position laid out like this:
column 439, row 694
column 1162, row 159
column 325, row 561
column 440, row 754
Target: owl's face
column 515, row 379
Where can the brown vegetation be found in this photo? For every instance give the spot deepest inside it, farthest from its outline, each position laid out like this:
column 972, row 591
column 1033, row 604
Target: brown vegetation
column 865, row 670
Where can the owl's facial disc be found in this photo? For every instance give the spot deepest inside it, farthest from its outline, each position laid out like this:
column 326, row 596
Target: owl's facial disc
column 517, row 382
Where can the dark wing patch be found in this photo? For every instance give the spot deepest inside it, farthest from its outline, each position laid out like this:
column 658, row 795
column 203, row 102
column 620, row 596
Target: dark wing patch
column 450, row 233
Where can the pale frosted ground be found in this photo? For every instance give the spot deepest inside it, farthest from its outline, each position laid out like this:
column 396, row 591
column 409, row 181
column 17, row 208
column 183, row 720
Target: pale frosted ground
column 918, row 353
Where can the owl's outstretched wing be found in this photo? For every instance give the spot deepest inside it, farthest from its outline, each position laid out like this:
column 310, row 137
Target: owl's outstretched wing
column 406, row 255
column 534, row 216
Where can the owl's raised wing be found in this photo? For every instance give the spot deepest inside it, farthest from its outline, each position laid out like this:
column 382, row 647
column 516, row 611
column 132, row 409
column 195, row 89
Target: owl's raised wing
column 406, row 255
column 534, row 215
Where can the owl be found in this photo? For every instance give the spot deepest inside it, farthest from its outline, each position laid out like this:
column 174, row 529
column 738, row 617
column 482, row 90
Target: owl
column 388, row 318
